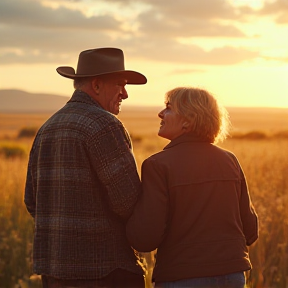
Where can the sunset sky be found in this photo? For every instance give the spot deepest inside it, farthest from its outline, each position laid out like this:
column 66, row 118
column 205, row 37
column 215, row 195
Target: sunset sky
column 236, row 49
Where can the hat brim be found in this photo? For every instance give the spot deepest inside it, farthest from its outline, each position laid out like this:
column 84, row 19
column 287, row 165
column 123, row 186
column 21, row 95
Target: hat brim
column 132, row 77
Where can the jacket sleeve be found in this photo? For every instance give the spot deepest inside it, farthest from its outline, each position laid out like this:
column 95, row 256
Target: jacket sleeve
column 112, row 159
column 29, row 194
column 146, row 227
column 248, row 214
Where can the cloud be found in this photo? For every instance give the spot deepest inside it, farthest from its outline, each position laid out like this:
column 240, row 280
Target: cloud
column 29, row 13
column 186, row 71
column 33, row 33
column 186, row 18
column 278, row 59
column 204, row 9
column 34, row 38
column 282, row 19
column 169, row 51
column 34, row 45
column 165, row 26
column 278, row 8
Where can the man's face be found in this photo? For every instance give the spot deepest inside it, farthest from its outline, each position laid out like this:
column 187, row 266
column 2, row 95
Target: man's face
column 111, row 93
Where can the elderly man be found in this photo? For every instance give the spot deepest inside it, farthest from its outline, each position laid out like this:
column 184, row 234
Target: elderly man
column 82, row 181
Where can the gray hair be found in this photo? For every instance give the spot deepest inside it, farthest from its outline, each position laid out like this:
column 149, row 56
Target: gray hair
column 80, row 82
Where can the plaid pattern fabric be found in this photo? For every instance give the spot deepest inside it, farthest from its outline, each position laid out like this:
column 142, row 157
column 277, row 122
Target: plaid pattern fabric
column 81, row 187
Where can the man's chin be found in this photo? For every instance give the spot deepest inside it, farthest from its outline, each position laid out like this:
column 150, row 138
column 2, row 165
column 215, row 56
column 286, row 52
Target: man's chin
column 116, row 111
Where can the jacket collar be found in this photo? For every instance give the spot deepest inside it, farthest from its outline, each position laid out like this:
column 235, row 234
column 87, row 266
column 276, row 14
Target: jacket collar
column 184, row 138
column 82, row 97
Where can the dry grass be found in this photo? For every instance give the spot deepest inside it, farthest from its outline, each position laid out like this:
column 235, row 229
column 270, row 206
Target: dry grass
column 266, row 167
column 265, row 162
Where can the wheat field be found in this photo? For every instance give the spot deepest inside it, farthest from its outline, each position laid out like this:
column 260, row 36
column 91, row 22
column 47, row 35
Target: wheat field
column 261, row 150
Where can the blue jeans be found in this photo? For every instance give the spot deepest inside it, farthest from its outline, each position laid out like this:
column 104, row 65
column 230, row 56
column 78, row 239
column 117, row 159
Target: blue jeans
column 235, row 280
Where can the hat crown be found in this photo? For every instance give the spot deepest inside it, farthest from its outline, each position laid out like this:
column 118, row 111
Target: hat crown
column 100, row 61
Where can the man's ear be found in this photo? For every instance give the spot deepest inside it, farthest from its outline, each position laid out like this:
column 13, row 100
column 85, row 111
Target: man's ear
column 95, row 85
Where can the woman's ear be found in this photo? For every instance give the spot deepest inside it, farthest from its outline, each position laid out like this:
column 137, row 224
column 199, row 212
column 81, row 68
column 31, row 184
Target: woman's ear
column 187, row 126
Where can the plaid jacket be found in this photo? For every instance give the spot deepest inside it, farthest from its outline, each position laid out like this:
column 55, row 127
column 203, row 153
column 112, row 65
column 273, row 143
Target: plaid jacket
column 81, row 187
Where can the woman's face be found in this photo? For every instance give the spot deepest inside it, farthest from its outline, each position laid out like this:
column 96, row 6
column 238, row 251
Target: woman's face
column 172, row 125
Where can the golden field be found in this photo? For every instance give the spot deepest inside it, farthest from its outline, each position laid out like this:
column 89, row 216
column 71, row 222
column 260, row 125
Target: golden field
column 259, row 139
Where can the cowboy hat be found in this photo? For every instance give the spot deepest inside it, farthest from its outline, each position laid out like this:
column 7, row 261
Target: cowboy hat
column 101, row 61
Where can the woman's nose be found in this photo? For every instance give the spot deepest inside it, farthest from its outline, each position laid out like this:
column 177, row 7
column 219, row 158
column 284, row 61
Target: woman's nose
column 161, row 114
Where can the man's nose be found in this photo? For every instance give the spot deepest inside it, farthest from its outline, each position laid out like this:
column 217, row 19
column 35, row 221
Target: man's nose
column 124, row 94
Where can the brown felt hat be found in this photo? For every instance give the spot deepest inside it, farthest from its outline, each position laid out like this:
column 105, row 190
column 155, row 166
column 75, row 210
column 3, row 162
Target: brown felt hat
column 101, row 61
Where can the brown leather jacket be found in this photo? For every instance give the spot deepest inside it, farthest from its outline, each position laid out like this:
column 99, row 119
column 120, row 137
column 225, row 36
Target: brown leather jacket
column 196, row 210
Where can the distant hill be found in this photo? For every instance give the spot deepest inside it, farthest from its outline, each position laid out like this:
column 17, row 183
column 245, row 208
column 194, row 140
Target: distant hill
column 242, row 118
column 18, row 101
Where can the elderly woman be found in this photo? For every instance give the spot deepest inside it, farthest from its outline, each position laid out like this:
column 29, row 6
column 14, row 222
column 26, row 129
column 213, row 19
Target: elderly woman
column 195, row 208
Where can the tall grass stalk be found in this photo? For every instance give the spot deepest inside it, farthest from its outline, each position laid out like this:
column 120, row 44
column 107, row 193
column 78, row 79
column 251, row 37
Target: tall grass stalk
column 16, row 225
column 265, row 163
